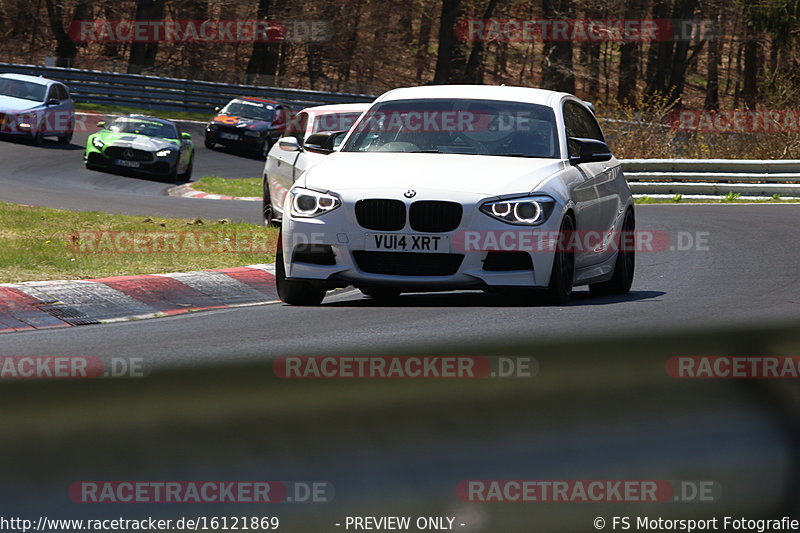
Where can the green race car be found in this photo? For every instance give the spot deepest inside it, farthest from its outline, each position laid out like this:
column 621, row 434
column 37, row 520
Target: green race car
column 141, row 145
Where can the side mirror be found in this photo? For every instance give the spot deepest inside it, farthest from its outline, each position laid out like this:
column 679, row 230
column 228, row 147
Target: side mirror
column 53, row 101
column 590, row 151
column 323, row 143
column 187, row 136
column 288, row 144
column 101, row 124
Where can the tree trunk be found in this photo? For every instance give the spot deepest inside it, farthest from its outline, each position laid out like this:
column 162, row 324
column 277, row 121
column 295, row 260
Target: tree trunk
column 713, row 58
column 265, row 55
column 659, row 56
column 752, row 60
column 66, row 50
column 557, row 72
column 423, row 39
column 473, row 73
column 447, row 41
column 143, row 55
column 629, row 59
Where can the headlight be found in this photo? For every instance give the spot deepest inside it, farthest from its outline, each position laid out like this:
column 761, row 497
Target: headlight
column 97, row 143
column 251, row 133
column 213, row 127
column 307, row 203
column 164, row 153
column 528, row 211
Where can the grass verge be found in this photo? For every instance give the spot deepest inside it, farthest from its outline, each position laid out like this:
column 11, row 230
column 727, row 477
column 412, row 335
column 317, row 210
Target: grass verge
column 108, row 109
column 729, row 199
column 229, row 187
column 38, row 244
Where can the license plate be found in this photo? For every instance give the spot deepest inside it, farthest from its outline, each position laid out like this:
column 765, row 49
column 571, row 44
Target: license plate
column 229, row 136
column 407, row 242
column 125, row 163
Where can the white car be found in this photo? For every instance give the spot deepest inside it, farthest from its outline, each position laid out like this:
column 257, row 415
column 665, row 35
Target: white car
column 33, row 108
column 289, row 158
column 461, row 187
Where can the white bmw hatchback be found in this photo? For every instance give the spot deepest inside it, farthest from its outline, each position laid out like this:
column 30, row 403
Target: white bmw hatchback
column 461, row 187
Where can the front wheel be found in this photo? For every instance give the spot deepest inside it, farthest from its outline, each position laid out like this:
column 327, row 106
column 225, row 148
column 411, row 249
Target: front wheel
column 266, row 207
column 67, row 137
column 210, row 144
column 295, row 292
column 187, row 174
column 263, row 150
column 621, row 281
column 562, row 277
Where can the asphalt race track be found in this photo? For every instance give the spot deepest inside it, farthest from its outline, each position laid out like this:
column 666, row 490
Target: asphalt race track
column 745, row 274
column 53, row 175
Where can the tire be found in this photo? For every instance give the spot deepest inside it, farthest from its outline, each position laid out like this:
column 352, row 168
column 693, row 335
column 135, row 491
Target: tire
column 38, row 137
column 381, row 293
column 210, row 144
column 621, row 281
column 187, row 174
column 562, row 277
column 263, row 150
column 67, row 137
column 267, row 212
column 295, row 292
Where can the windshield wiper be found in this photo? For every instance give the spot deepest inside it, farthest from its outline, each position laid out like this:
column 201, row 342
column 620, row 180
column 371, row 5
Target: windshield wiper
column 430, row 151
column 517, row 154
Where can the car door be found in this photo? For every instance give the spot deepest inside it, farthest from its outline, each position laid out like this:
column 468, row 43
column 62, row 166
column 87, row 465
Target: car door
column 50, row 124
column 66, row 111
column 280, row 171
column 591, row 194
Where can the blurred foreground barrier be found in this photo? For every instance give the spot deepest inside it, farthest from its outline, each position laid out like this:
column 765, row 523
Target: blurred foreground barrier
column 598, row 409
column 713, row 176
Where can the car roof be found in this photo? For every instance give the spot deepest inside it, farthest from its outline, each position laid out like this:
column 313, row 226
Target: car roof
column 477, row 92
column 148, row 118
column 254, row 99
column 32, row 79
column 337, row 108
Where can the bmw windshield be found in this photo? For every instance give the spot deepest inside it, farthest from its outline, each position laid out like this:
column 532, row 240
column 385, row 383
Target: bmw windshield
column 480, row 127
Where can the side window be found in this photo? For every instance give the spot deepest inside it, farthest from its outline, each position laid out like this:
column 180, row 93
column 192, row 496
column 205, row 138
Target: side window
column 297, row 127
column 52, row 93
column 579, row 122
column 63, row 93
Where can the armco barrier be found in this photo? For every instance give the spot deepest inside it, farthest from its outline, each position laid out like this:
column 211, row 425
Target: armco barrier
column 597, row 409
column 151, row 92
column 713, row 176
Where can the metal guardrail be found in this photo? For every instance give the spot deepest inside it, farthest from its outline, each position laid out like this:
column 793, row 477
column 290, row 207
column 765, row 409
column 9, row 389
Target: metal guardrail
column 713, row 176
column 151, row 92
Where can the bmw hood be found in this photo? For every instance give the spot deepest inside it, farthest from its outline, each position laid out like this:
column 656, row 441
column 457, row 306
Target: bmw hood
column 483, row 175
column 142, row 142
column 9, row 103
column 241, row 122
